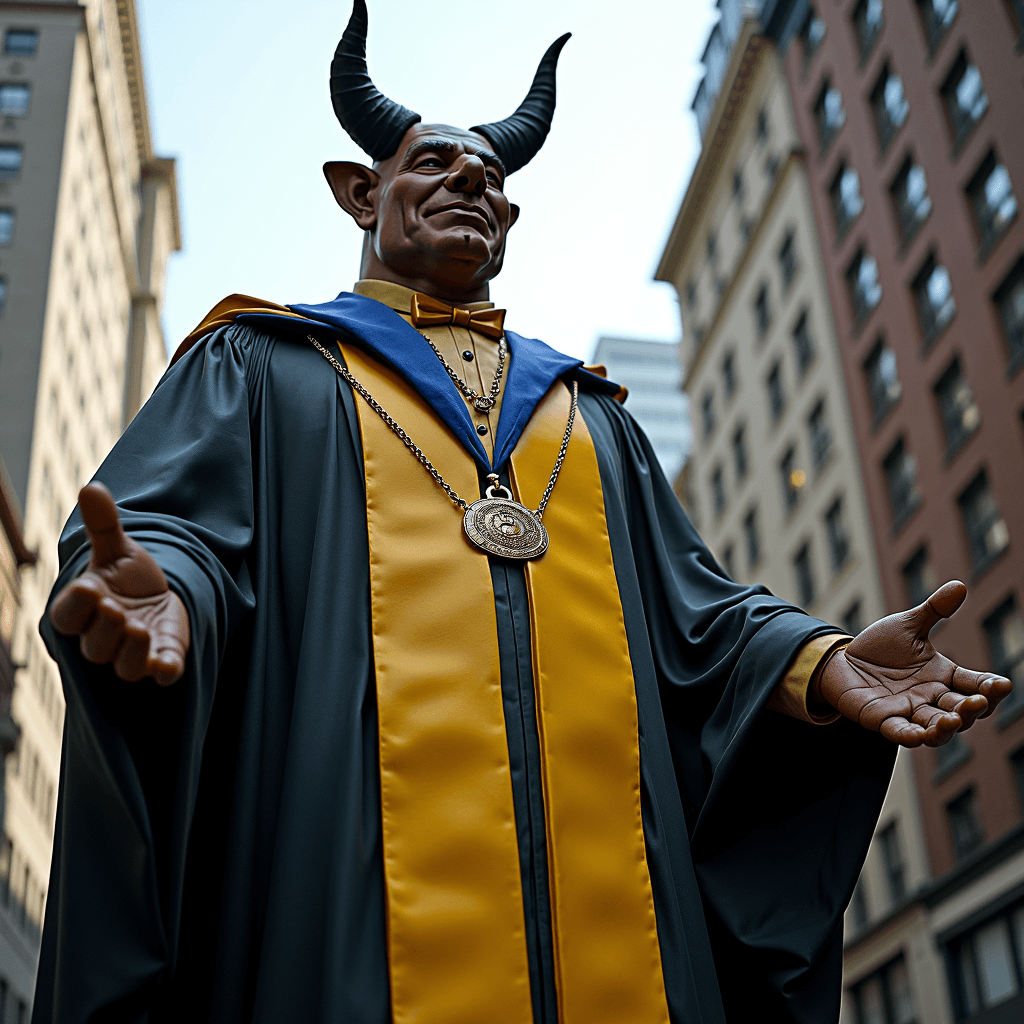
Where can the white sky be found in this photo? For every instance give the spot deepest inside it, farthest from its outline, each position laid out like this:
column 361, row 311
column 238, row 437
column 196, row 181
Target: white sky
column 238, row 92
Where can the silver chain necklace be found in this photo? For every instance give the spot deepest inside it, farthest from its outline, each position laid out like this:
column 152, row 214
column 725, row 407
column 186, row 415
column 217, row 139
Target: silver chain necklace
column 482, row 403
column 495, row 523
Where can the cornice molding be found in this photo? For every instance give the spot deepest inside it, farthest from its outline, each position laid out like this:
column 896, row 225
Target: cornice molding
column 128, row 23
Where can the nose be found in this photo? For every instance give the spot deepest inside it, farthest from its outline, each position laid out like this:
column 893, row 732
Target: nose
column 468, row 175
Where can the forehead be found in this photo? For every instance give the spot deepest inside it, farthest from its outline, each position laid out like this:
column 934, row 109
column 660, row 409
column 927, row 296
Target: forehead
column 443, row 133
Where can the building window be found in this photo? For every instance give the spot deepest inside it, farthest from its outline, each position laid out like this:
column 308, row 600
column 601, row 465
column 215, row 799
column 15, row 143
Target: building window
column 919, row 577
column 901, row 477
column 708, row 413
column 752, row 538
column 882, row 379
column 729, row 375
column 712, row 245
column 738, row 190
column 691, row 294
column 762, row 311
column 889, row 105
column 867, row 21
column 986, row 966
column 910, row 198
column 885, row 997
column 699, row 334
column 820, row 435
column 14, row 97
column 718, row 490
column 991, row 195
column 938, row 15
column 787, row 260
column 865, row 288
column 964, row 828
column 847, row 201
column 747, row 228
column 3, row 294
column 859, row 903
column 761, row 129
column 852, row 619
column 1004, row 629
column 986, row 528
column 933, row 291
column 960, row 413
column 739, row 452
column 21, row 42
column 892, row 859
column 803, row 343
column 792, row 479
column 10, row 160
column 804, row 575
column 829, row 114
column 811, row 34
column 771, row 166
column 776, row 391
column 965, row 97
column 838, row 535
column 729, row 562
column 6, row 226
column 1009, row 299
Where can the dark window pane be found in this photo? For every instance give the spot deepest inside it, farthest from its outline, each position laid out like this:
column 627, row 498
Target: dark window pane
column 1010, row 300
column 986, row 528
column 14, row 99
column 10, row 160
column 865, row 287
column 992, row 198
column 752, row 538
column 718, row 490
column 20, row 42
column 771, row 166
column 691, row 294
column 859, row 903
column 853, row 619
column 762, row 126
column 965, row 96
column 811, row 34
column 6, row 226
column 820, row 435
column 829, row 114
column 892, row 859
column 729, row 561
column 1004, row 629
column 738, row 190
column 901, row 476
column 762, row 311
column 3, row 293
column 889, row 105
column 919, row 577
column 910, row 198
column 776, row 391
column 729, row 374
column 739, row 452
column 963, row 824
column 708, row 413
column 960, row 413
column 792, row 479
column 847, row 202
column 712, row 247
column 804, row 575
column 787, row 260
column 803, row 343
column 867, row 20
column 838, row 537
column 883, row 382
column 938, row 15
column 933, row 291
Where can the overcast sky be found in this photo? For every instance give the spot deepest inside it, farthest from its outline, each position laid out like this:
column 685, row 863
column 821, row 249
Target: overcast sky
column 238, row 93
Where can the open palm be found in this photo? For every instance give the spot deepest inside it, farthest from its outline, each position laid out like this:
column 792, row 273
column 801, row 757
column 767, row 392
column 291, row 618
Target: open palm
column 893, row 681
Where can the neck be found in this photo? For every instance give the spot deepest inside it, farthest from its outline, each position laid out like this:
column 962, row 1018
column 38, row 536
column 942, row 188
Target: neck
column 435, row 284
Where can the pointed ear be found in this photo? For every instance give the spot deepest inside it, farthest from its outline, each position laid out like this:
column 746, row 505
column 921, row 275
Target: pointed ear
column 353, row 186
column 513, row 214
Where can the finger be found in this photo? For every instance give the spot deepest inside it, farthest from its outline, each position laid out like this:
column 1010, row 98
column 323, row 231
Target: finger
column 939, row 726
column 74, row 607
column 970, row 709
column 169, row 645
column 101, row 640
column 899, row 730
column 103, row 524
column 133, row 657
column 166, row 666
column 992, row 687
column 943, row 603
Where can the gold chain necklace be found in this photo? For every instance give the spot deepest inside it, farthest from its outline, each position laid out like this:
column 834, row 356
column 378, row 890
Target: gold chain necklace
column 482, row 403
column 498, row 525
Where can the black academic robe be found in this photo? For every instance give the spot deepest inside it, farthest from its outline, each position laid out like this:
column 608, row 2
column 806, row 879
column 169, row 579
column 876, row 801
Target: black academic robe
column 218, row 843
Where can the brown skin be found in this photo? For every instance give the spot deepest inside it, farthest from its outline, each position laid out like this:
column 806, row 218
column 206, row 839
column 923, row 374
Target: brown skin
column 435, row 220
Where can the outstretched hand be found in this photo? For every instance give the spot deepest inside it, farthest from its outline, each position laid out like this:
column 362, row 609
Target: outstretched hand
column 892, row 680
column 121, row 607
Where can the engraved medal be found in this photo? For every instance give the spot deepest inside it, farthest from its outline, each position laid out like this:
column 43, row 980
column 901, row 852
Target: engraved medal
column 501, row 526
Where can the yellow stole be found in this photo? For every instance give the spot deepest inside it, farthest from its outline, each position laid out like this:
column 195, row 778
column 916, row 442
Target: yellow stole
column 456, row 933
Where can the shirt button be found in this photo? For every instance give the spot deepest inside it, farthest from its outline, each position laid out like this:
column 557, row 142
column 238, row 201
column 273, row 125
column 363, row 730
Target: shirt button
column 467, row 355
column 482, row 429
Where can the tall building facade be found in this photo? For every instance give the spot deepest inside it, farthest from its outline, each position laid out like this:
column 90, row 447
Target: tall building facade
column 652, row 373
column 910, row 111
column 774, row 480
column 88, row 218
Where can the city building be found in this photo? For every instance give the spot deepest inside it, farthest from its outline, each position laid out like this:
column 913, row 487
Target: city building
column 88, row 218
column 652, row 373
column 773, row 480
column 18, row 934
column 910, row 112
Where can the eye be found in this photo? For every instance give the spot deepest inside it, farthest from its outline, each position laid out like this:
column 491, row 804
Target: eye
column 430, row 162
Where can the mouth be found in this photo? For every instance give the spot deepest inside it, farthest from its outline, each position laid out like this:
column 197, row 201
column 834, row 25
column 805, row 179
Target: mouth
column 463, row 208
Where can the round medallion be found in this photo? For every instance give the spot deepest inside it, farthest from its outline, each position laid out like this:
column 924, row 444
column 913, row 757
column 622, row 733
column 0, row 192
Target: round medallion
column 505, row 528
column 484, row 403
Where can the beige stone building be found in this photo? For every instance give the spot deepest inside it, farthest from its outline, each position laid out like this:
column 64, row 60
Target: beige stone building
column 88, row 218
column 773, row 480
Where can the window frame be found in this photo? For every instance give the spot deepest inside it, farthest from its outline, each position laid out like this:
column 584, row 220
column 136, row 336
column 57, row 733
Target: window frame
column 1013, row 334
column 909, row 222
column 885, row 126
column 862, row 309
column 961, row 126
column 827, row 133
column 934, row 32
column 984, row 217
column 933, row 322
column 908, row 490
column 976, row 528
column 942, row 389
column 14, row 30
column 880, row 410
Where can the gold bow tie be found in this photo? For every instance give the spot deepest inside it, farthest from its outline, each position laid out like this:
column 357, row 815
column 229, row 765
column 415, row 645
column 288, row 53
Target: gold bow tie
column 428, row 312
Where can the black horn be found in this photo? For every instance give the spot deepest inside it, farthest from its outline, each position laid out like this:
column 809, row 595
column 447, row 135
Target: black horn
column 375, row 123
column 518, row 138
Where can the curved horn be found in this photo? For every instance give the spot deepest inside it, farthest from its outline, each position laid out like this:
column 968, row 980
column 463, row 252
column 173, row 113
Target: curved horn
column 518, row 138
column 375, row 123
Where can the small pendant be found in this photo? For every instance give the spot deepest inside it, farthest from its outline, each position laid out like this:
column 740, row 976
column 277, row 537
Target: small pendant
column 505, row 528
column 483, row 403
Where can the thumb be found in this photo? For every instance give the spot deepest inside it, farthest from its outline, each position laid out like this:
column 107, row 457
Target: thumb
column 102, row 523
column 941, row 605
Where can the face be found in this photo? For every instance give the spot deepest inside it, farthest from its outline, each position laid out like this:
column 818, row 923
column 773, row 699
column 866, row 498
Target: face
column 435, row 213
